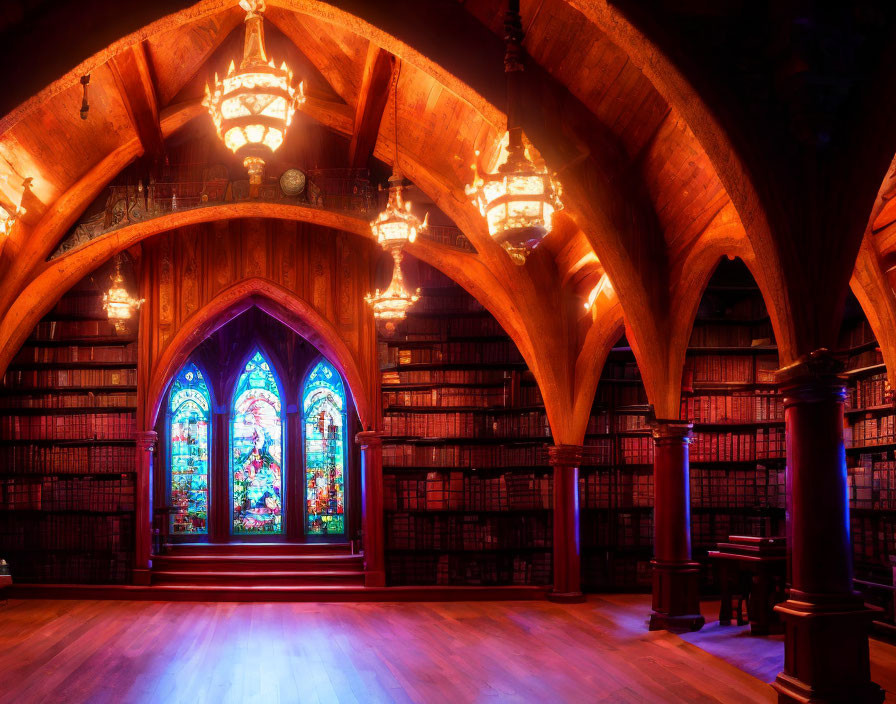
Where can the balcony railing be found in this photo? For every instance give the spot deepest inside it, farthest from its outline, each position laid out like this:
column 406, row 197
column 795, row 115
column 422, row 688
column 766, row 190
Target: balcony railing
column 343, row 191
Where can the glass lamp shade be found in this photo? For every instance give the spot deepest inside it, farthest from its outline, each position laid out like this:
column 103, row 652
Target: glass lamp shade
column 118, row 303
column 254, row 104
column 396, row 225
column 8, row 220
column 392, row 304
column 518, row 202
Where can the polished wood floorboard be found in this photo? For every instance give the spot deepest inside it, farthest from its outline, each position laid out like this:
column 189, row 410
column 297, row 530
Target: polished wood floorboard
column 119, row 651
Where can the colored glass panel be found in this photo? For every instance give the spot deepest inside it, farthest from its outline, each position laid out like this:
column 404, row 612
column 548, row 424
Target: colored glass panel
column 324, row 420
column 189, row 432
column 256, row 451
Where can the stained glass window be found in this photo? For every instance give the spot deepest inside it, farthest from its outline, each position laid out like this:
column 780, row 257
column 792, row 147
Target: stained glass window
column 256, row 440
column 324, row 419
column 189, row 432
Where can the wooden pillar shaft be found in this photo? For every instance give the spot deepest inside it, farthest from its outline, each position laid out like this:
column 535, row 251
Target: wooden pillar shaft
column 373, row 534
column 826, row 623
column 676, row 602
column 146, row 442
column 565, row 460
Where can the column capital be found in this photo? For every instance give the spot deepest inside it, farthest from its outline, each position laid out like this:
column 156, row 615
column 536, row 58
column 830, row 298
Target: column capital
column 565, row 455
column 146, row 440
column 814, row 377
column 369, row 438
column 671, row 430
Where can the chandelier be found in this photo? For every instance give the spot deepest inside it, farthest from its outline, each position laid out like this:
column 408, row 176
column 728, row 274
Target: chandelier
column 8, row 220
column 254, row 104
column 118, row 303
column 391, row 306
column 393, row 229
column 518, row 200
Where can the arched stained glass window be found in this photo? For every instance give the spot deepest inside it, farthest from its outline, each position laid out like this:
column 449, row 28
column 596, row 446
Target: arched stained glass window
column 189, row 404
column 323, row 410
column 256, row 450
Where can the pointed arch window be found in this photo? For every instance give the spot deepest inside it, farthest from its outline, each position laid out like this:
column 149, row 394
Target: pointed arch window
column 323, row 411
column 256, row 451
column 189, row 406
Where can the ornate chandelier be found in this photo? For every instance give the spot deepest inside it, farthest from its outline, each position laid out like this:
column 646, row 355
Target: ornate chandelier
column 393, row 229
column 391, row 305
column 254, row 104
column 518, row 200
column 118, row 303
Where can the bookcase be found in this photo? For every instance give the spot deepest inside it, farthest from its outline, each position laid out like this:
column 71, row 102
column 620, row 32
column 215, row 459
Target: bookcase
column 467, row 484
column 67, row 451
column 870, row 438
column 729, row 393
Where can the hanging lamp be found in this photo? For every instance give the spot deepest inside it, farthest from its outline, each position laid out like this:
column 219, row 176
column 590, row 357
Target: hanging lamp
column 393, row 228
column 254, row 104
column 117, row 302
column 519, row 198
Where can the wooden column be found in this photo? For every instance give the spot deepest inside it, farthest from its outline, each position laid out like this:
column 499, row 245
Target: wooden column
column 826, row 622
column 373, row 537
column 146, row 443
column 565, row 460
column 676, row 602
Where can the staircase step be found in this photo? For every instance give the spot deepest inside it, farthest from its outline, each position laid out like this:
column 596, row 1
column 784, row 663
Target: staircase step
column 259, row 579
column 256, row 563
column 253, row 549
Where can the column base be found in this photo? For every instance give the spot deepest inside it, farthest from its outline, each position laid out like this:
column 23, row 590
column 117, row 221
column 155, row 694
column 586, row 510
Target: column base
column 676, row 624
column 676, row 599
column 566, row 597
column 374, row 579
column 141, row 577
column 826, row 657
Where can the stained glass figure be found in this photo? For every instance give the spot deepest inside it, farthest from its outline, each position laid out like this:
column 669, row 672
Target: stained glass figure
column 189, row 404
column 324, row 418
column 256, row 450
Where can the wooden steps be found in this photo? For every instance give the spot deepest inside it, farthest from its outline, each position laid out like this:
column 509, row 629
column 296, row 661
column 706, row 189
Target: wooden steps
column 258, row 566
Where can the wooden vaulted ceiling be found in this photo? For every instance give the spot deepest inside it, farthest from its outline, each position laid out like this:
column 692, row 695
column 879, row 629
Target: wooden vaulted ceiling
column 645, row 204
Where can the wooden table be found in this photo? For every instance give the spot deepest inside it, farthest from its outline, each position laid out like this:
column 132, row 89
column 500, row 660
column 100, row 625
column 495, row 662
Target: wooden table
column 754, row 569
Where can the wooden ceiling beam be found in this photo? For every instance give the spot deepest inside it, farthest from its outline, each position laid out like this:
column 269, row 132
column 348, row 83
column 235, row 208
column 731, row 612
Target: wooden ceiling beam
column 133, row 77
column 379, row 70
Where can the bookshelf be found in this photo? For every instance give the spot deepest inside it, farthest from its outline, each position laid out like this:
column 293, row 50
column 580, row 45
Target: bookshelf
column 67, row 452
column 870, row 438
column 467, row 484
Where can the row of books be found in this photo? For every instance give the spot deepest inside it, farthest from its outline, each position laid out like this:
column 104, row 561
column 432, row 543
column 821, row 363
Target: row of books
column 66, row 531
column 464, row 456
column 616, row 489
column 95, row 426
column 709, row 528
column 467, row 570
column 462, row 424
column 68, row 378
column 719, row 488
column 621, row 530
column 86, row 459
column 635, row 450
column 79, row 303
column 868, row 358
column 88, row 399
column 722, row 335
column 873, row 538
column 738, row 407
column 745, row 446
column 76, row 353
column 471, row 377
column 420, row 328
column 856, row 335
column 70, row 329
column 490, row 352
column 460, row 491
column 108, row 494
column 610, row 571
column 870, row 429
column 72, row 568
column 872, row 482
column 869, row 392
column 505, row 396
column 735, row 368
column 467, row 532
column 620, row 369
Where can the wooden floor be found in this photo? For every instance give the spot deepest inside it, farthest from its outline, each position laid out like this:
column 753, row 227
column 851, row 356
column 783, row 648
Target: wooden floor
column 119, row 651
